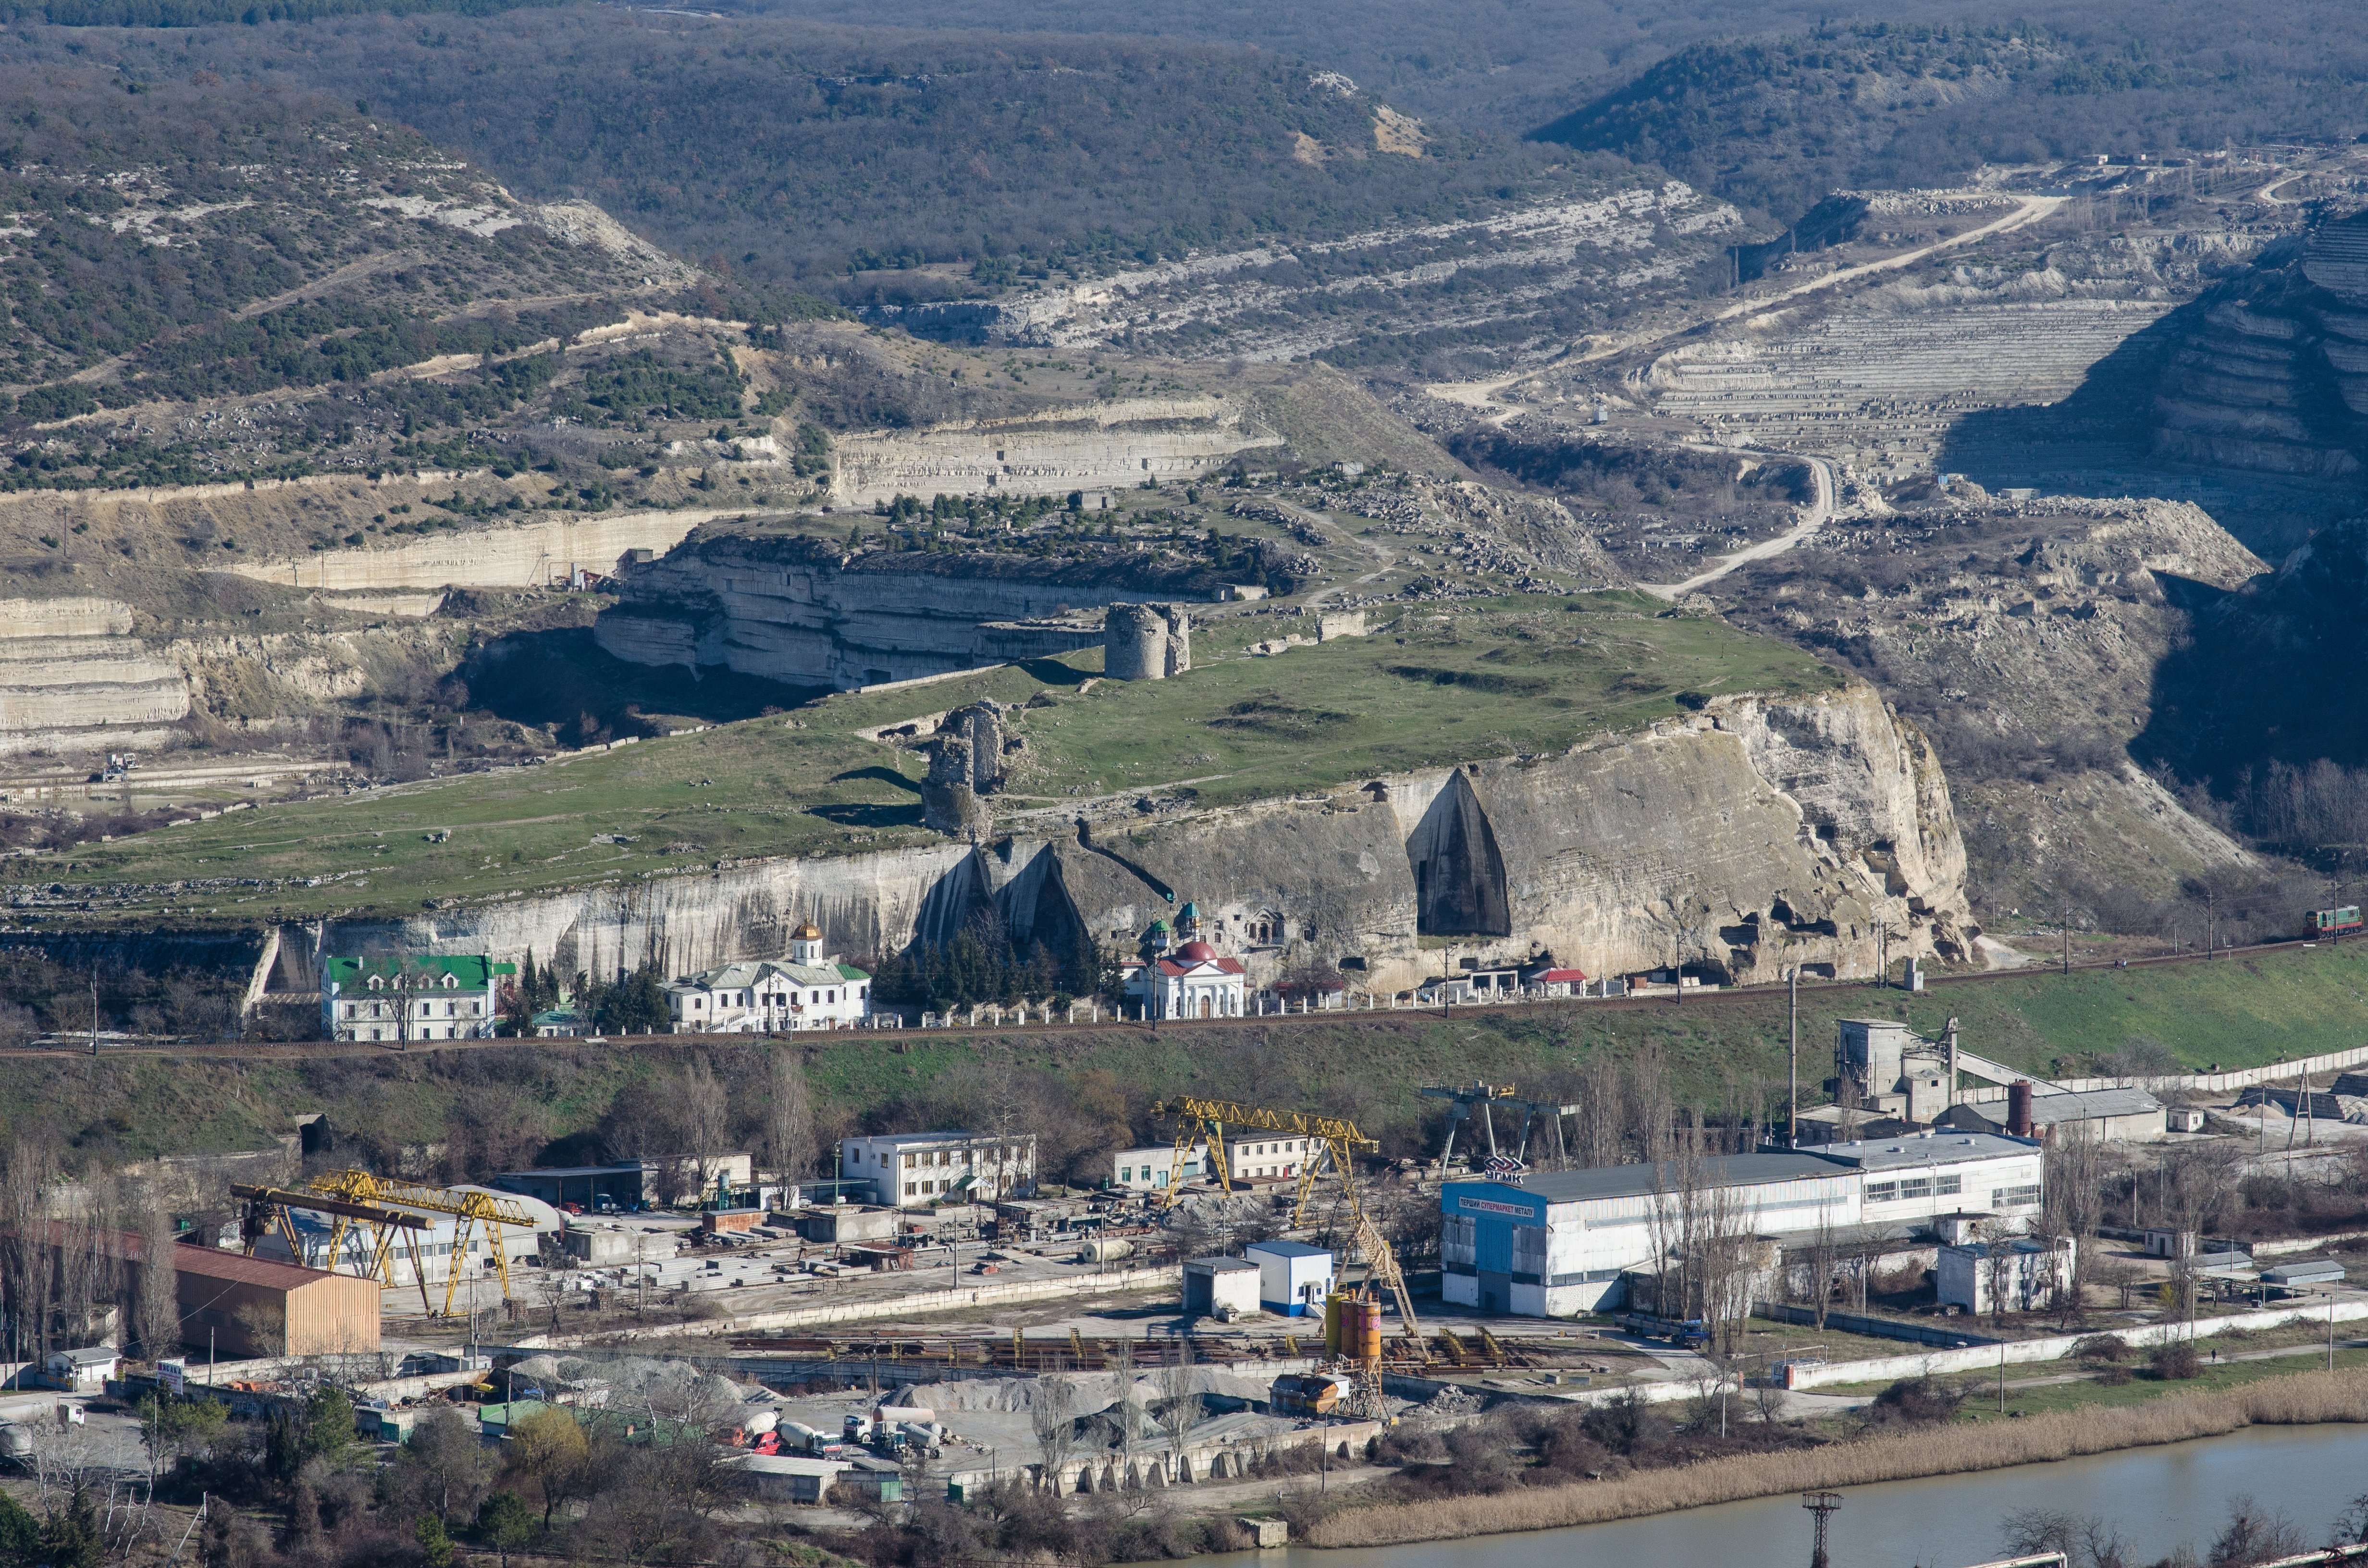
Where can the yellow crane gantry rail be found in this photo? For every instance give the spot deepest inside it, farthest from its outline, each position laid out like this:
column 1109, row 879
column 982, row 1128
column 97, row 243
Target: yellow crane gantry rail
column 271, row 1207
column 1337, row 1140
column 468, row 1209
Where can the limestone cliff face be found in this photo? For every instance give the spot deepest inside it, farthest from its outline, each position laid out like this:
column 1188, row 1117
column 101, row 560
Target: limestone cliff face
column 1757, row 834
column 72, row 675
column 2269, row 371
column 1120, row 442
column 803, row 613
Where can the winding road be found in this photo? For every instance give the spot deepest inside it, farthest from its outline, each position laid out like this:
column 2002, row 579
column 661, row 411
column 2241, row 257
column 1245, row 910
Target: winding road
column 1820, row 513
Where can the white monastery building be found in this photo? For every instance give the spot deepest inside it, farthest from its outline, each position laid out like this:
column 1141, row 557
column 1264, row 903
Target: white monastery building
column 403, row 999
column 761, row 997
column 1190, row 982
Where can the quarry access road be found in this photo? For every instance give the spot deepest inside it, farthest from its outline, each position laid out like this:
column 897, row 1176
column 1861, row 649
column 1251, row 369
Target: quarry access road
column 1821, row 512
column 1486, row 397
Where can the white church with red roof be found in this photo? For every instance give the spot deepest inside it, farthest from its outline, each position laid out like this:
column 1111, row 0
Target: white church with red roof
column 1190, row 982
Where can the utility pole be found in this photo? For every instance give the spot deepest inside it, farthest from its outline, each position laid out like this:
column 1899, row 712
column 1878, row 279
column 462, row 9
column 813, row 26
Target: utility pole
column 2211, row 925
column 1793, row 1059
column 2067, row 946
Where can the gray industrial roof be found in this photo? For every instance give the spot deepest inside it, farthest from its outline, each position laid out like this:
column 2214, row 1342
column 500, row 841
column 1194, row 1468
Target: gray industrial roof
column 1636, row 1181
column 1287, row 1249
column 2088, row 1104
column 1887, row 1153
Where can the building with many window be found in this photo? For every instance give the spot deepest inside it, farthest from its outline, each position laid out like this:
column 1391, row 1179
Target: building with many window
column 1558, row 1243
column 398, row 1000
column 913, row 1169
column 761, row 997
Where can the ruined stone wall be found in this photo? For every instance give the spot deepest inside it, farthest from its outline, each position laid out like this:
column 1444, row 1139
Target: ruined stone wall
column 1767, row 833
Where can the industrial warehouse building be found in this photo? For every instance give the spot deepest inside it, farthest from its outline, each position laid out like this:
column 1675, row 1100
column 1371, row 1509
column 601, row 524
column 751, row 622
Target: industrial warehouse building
column 239, row 1306
column 236, row 1306
column 1562, row 1243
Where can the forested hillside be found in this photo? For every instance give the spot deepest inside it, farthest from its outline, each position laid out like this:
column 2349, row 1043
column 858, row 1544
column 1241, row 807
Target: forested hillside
column 1775, row 124
column 784, row 151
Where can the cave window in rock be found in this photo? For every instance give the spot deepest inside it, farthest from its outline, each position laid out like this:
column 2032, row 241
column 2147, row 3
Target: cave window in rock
column 1459, row 873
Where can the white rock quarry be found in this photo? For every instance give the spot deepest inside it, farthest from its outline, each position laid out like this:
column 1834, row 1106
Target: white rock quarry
column 72, row 677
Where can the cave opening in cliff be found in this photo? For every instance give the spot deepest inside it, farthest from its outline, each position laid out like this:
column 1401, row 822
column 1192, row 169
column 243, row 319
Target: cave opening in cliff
column 1459, row 873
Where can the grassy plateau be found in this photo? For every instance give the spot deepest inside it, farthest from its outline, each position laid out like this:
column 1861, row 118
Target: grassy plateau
column 1435, row 684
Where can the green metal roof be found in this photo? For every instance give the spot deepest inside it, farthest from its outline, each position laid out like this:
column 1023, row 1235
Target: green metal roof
column 848, row 971
column 474, row 970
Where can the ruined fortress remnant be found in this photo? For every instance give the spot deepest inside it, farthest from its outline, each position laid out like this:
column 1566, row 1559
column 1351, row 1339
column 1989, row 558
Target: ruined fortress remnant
column 1146, row 642
column 979, row 726
column 807, row 612
column 950, row 803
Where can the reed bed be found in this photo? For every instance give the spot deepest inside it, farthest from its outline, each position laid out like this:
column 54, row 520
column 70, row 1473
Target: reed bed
column 2301, row 1400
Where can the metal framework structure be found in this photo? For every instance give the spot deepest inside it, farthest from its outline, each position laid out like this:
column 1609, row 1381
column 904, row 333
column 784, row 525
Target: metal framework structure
column 1822, row 1504
column 268, row 1209
column 1466, row 1096
column 1339, row 1139
column 469, row 1210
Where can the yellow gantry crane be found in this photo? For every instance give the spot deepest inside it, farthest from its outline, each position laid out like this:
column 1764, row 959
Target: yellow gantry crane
column 268, row 1209
column 1337, row 1142
column 386, row 1212
column 468, row 1209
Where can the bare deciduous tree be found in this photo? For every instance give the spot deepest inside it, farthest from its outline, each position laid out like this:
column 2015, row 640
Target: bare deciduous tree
column 789, row 1118
column 1052, row 1417
column 27, row 1268
column 155, row 1309
column 706, row 1120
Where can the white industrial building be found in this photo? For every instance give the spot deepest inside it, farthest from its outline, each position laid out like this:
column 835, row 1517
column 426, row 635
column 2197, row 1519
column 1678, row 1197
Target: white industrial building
column 1149, row 1169
column 760, row 997
column 912, row 1169
column 1556, row 1244
column 1293, row 1278
column 1220, row 1287
column 1909, row 1182
column 2027, row 1271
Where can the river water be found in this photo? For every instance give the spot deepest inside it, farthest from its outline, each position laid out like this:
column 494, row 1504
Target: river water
column 2160, row 1499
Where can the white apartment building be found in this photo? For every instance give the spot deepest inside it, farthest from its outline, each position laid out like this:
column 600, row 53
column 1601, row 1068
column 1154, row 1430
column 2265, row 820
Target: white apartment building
column 906, row 1170
column 401, row 999
column 762, row 996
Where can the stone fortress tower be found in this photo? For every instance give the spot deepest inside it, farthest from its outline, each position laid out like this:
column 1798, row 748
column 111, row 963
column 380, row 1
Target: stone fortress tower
column 1146, row 642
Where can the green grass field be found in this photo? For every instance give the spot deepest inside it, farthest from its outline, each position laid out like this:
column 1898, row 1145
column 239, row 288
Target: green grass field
column 1440, row 685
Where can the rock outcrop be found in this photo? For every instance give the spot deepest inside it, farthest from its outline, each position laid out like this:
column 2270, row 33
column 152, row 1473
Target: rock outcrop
column 1120, row 442
column 806, row 613
column 1757, row 835
column 73, row 677
column 2026, row 640
column 2269, row 371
